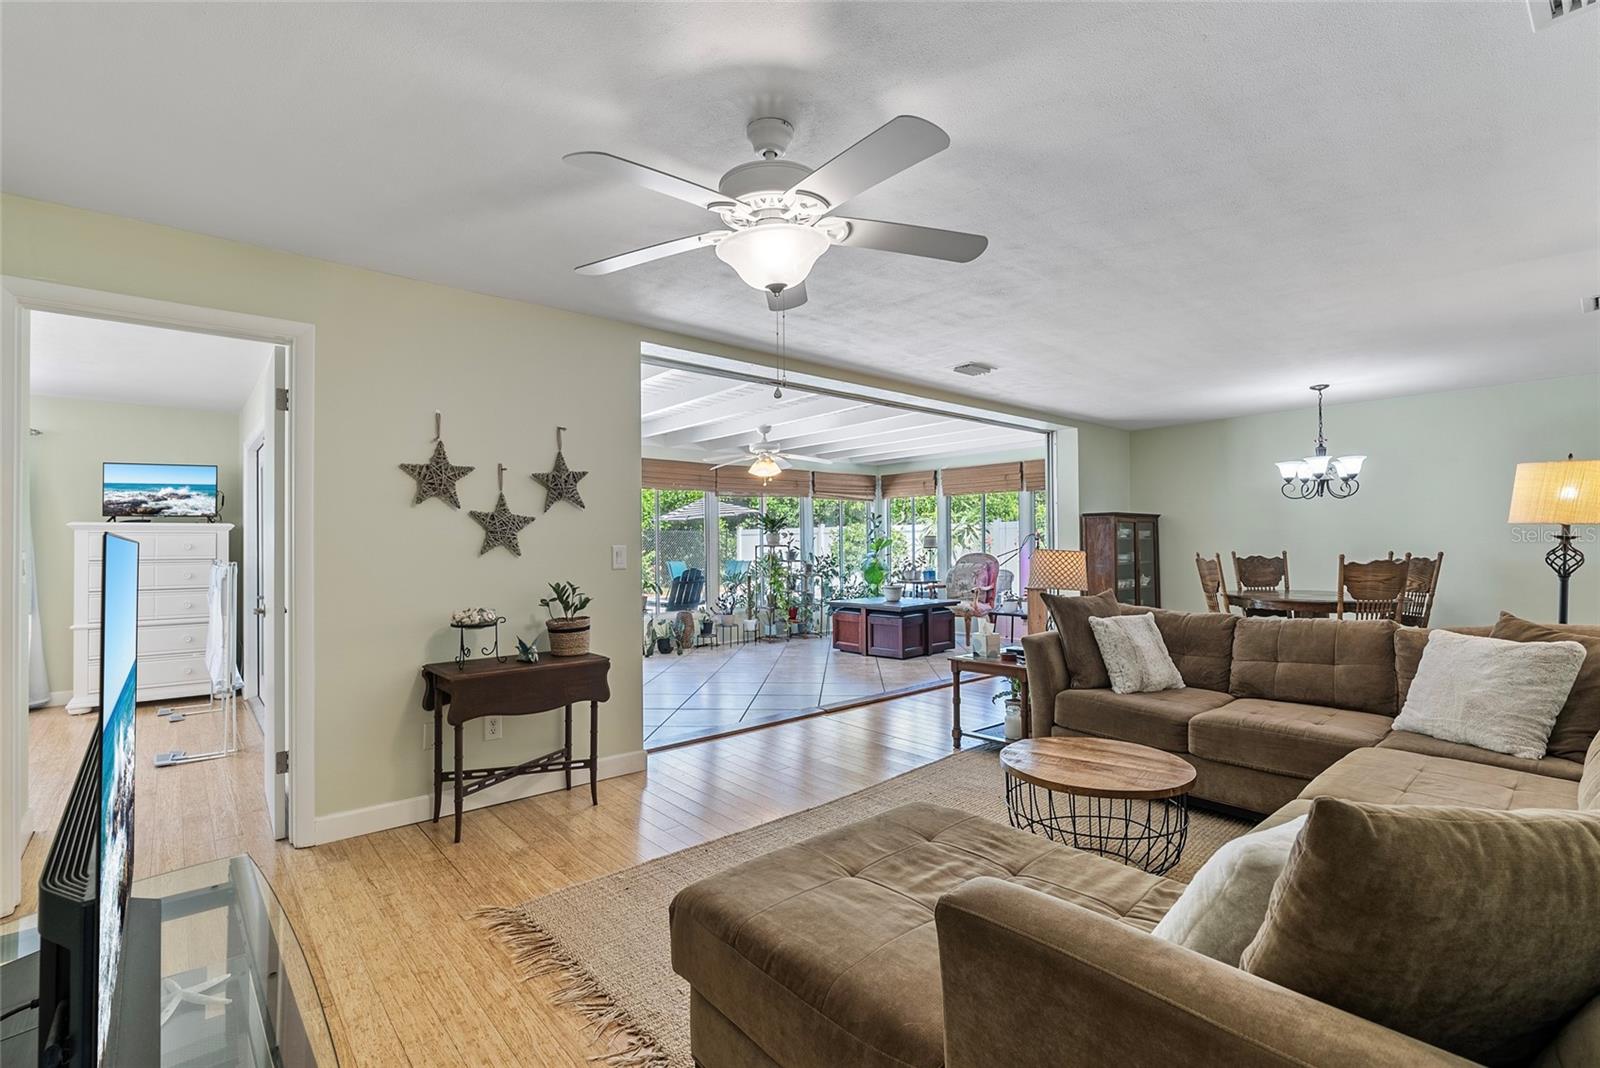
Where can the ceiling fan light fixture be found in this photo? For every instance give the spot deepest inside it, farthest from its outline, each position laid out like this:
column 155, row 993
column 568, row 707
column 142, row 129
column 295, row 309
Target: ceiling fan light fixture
column 765, row 468
column 773, row 256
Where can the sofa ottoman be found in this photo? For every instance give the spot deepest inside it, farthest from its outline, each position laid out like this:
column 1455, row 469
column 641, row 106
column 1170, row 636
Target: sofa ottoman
column 825, row 952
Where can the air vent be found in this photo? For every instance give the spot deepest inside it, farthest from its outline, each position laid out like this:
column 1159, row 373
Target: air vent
column 1545, row 13
column 973, row 369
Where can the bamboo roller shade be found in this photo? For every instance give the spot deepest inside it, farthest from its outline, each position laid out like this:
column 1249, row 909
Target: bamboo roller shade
column 678, row 474
column 843, row 486
column 1033, row 476
column 736, row 480
column 909, row 484
column 985, row 478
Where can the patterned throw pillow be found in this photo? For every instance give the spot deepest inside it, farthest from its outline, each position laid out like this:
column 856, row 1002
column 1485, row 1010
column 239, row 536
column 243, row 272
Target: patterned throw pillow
column 1136, row 657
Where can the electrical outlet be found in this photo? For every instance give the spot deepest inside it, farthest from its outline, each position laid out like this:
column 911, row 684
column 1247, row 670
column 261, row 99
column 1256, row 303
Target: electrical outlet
column 619, row 558
column 493, row 729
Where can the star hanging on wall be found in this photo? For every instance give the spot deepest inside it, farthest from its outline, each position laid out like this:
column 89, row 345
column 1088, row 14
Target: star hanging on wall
column 437, row 477
column 500, row 527
column 560, row 483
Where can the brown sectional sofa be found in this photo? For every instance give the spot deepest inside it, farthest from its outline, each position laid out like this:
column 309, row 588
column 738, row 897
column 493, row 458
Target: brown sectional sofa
column 927, row 936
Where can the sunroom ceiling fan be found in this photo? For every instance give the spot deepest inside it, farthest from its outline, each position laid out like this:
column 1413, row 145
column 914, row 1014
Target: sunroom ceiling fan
column 768, row 457
column 778, row 215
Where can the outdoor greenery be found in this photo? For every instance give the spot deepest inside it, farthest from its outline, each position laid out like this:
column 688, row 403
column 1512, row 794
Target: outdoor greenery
column 873, row 565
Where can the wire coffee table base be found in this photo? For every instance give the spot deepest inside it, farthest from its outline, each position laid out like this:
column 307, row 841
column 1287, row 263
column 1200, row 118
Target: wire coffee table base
column 1148, row 834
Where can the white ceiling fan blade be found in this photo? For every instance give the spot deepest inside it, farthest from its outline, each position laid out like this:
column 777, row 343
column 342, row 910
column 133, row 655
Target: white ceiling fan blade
column 792, row 297
column 670, row 184
column 730, row 463
column 926, row 241
column 625, row 260
column 902, row 142
column 807, row 459
column 782, row 462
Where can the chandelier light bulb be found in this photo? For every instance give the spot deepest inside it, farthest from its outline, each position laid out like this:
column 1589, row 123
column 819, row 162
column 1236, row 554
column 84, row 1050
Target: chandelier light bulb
column 773, row 256
column 765, row 468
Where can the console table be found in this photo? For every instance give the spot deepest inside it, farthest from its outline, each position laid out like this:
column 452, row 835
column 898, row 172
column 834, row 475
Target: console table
column 481, row 688
column 909, row 627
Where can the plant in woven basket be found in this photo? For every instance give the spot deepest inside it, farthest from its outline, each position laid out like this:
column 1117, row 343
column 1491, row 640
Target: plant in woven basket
column 569, row 631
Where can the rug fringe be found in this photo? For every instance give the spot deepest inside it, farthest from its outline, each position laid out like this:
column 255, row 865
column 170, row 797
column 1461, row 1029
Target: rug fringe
column 538, row 953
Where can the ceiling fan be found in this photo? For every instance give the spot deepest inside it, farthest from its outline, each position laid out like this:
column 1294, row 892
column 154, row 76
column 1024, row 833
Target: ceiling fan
column 769, row 459
column 778, row 215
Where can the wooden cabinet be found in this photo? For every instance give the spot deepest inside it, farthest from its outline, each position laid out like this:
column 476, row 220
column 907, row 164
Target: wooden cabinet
column 1123, row 551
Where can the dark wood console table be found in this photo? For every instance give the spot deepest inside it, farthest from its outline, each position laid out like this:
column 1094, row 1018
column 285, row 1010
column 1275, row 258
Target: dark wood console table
column 911, row 626
column 481, row 688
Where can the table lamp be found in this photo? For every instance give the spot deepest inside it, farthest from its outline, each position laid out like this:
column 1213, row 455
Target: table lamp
column 1053, row 569
column 1564, row 492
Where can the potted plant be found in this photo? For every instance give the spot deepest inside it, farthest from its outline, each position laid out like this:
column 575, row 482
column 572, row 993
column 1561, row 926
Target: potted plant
column 872, row 570
column 569, row 632
column 702, row 617
column 662, row 634
column 771, row 526
column 1012, row 696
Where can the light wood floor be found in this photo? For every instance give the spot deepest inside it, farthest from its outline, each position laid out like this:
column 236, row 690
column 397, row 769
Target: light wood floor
column 406, row 976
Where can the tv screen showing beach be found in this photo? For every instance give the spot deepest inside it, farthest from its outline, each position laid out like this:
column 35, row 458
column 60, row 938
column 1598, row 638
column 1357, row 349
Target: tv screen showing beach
column 151, row 491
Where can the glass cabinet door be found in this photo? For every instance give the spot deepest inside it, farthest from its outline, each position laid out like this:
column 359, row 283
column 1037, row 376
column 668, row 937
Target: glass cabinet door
column 1145, row 556
column 1126, row 586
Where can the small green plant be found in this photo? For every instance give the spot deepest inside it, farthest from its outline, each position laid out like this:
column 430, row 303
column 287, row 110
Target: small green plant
column 1012, row 692
column 873, row 571
column 770, row 523
column 571, row 599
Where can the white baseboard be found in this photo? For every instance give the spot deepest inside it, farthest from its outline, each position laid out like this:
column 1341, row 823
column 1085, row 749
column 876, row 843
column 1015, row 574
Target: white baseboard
column 403, row 813
column 56, row 698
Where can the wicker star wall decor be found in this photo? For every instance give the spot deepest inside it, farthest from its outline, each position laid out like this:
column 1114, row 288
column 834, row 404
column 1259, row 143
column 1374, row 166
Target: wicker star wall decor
column 500, row 526
column 560, row 482
column 437, row 477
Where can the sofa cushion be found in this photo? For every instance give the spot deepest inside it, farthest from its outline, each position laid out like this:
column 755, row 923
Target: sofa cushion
column 1589, row 783
column 1368, row 917
column 1579, row 719
column 1159, row 720
column 1085, row 669
column 1338, row 663
column 1282, row 737
column 825, row 952
column 1413, row 742
column 1408, row 645
column 1223, row 906
column 1200, row 643
column 1136, row 658
column 1396, row 777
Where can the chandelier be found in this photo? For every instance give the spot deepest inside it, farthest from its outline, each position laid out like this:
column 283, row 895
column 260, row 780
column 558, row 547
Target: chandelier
column 1320, row 474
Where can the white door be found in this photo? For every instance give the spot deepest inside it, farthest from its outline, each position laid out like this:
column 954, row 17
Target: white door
column 270, row 619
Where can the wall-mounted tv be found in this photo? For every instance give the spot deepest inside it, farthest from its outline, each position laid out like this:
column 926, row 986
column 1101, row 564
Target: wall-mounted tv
column 158, row 491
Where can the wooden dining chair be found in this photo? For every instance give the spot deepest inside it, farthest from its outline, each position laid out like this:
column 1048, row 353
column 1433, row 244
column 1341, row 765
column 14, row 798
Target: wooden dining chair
column 1422, row 582
column 1211, row 584
column 1370, row 590
column 1262, row 572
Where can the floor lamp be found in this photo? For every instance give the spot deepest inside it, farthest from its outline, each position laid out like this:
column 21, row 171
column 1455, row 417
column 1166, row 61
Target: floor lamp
column 1558, row 492
column 1053, row 569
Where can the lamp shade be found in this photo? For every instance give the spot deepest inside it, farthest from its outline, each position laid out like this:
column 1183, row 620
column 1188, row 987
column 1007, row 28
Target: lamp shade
column 773, row 256
column 765, row 467
column 1058, row 569
column 1556, row 491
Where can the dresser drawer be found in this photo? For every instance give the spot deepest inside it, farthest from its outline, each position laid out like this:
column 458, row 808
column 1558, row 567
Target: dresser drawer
column 162, row 604
column 162, row 671
column 158, row 639
column 184, row 575
column 200, row 544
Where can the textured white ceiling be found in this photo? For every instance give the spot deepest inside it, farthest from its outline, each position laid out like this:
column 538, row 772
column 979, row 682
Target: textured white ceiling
column 1194, row 209
column 104, row 360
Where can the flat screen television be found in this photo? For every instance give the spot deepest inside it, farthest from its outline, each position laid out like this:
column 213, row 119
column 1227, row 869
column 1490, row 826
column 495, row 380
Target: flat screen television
column 156, row 491
column 83, row 888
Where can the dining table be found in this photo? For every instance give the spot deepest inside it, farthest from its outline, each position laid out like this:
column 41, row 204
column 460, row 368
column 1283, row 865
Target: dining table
column 1296, row 602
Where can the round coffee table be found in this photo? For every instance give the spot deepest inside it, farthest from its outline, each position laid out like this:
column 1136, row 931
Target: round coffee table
column 1116, row 798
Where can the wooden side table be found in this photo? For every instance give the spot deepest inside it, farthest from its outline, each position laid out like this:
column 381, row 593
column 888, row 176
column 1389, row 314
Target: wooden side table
column 481, row 688
column 995, row 667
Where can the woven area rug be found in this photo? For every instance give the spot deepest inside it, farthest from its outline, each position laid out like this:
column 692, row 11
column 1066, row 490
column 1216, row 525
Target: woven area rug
column 607, row 938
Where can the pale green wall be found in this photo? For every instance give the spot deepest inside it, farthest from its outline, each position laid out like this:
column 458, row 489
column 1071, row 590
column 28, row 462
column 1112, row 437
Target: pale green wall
column 1438, row 476
column 64, row 486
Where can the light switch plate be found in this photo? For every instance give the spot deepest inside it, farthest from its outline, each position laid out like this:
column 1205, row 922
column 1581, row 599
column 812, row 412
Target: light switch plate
column 619, row 558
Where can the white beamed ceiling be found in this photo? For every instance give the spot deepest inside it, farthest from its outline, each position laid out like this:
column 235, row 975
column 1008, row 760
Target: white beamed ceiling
column 1194, row 209
column 704, row 417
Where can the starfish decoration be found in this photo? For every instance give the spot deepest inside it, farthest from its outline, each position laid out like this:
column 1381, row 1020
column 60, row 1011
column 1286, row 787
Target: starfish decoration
column 560, row 483
column 437, row 477
column 500, row 527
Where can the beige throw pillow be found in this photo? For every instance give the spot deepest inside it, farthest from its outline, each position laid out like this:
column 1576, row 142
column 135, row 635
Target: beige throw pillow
column 1135, row 656
column 1579, row 719
column 1498, row 695
column 1085, row 669
column 1223, row 907
column 1469, row 928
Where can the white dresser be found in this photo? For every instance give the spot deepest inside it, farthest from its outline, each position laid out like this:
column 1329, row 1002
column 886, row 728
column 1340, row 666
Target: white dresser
column 174, row 578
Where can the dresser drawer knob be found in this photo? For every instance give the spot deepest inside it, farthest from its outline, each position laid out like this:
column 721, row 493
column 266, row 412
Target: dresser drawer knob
column 188, row 639
column 188, row 671
column 188, row 545
column 188, row 604
column 188, row 574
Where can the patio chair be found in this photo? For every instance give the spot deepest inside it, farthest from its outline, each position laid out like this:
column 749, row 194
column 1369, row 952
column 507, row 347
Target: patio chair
column 676, row 568
column 971, row 583
column 733, row 570
column 688, row 591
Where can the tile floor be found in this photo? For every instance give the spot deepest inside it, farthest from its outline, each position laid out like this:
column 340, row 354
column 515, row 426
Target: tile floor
column 708, row 691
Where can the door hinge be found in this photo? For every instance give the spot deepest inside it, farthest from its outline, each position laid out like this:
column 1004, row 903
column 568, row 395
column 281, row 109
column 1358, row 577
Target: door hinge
column 283, row 399
column 281, row 763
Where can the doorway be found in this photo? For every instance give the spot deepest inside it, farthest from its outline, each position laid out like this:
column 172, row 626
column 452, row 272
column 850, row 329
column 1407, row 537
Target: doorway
column 273, row 638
